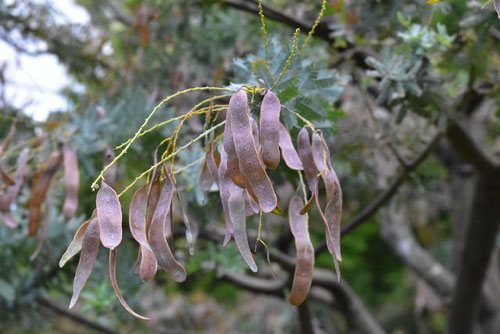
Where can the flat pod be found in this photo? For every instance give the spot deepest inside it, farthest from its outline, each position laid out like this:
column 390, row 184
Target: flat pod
column 137, row 225
column 114, row 285
column 109, row 216
column 76, row 244
column 232, row 163
column 333, row 209
column 289, row 153
column 13, row 190
column 306, row 156
column 238, row 217
column 157, row 237
column 41, row 183
column 88, row 255
column 269, row 129
column 225, row 184
column 304, row 266
column 250, row 163
column 71, row 180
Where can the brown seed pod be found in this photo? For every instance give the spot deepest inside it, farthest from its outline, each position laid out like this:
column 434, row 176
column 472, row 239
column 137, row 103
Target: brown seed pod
column 76, row 244
column 71, row 180
column 90, row 249
column 269, row 129
column 157, row 238
column 41, row 183
column 114, row 285
column 233, row 166
column 306, row 156
column 137, row 225
column 225, row 185
column 289, row 153
column 304, row 266
column 333, row 209
column 237, row 213
column 251, row 165
column 109, row 216
column 9, row 196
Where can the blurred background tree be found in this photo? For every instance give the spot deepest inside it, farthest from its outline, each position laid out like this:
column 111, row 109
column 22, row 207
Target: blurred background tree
column 411, row 114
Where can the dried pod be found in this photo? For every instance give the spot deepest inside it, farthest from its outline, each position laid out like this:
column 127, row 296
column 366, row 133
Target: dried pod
column 306, row 156
column 8, row 139
column 114, row 285
column 109, row 216
column 213, row 162
column 304, row 266
column 11, row 193
column 90, row 249
column 237, row 213
column 191, row 232
column 250, row 163
column 137, row 225
column 333, row 208
column 289, row 153
column 157, row 238
column 76, row 244
column 71, row 180
column 225, row 185
column 269, row 129
column 233, row 166
column 41, row 183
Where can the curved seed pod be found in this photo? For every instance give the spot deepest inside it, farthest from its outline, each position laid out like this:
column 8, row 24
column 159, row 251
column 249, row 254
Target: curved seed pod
column 153, row 196
column 109, row 216
column 304, row 266
column 236, row 205
column 7, row 198
column 41, row 183
column 251, row 165
column 213, row 162
column 251, row 204
column 90, row 248
column 114, row 285
column 233, row 166
column 306, row 156
column 333, row 209
column 269, row 129
column 71, row 180
column 206, row 179
column 255, row 134
column 289, row 153
column 225, row 185
column 76, row 244
column 137, row 225
column 8, row 220
column 190, row 235
column 157, row 238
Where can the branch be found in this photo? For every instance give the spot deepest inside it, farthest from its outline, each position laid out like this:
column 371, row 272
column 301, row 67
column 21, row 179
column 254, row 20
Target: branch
column 482, row 229
column 305, row 318
column 386, row 196
column 396, row 233
column 75, row 317
column 268, row 287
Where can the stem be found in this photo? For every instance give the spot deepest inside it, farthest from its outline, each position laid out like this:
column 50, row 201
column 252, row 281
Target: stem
column 146, row 121
column 290, row 58
column 315, row 25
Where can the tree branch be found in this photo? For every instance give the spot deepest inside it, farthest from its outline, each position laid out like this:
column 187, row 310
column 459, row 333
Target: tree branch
column 75, row 317
column 386, row 196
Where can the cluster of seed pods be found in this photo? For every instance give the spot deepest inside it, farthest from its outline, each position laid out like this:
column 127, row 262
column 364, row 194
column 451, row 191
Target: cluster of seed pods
column 238, row 167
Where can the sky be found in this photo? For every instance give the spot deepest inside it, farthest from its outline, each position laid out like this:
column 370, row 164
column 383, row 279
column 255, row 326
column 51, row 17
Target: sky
column 34, row 82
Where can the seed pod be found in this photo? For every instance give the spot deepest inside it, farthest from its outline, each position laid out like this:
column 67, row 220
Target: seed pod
column 109, row 216
column 157, row 238
column 76, row 244
column 289, row 153
column 304, row 266
column 137, row 225
column 90, row 248
column 11, row 193
column 306, row 156
column 8, row 139
column 236, row 205
column 250, row 163
column 153, row 196
column 191, row 233
column 71, row 180
column 41, row 183
column 114, row 285
column 233, row 166
column 8, row 220
column 206, row 179
column 213, row 162
column 269, row 129
column 225, row 185
column 333, row 209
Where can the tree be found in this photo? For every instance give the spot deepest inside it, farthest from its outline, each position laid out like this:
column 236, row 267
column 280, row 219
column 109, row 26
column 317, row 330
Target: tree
column 404, row 94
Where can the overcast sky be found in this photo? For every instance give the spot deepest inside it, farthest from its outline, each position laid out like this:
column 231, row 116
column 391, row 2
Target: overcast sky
column 34, row 83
